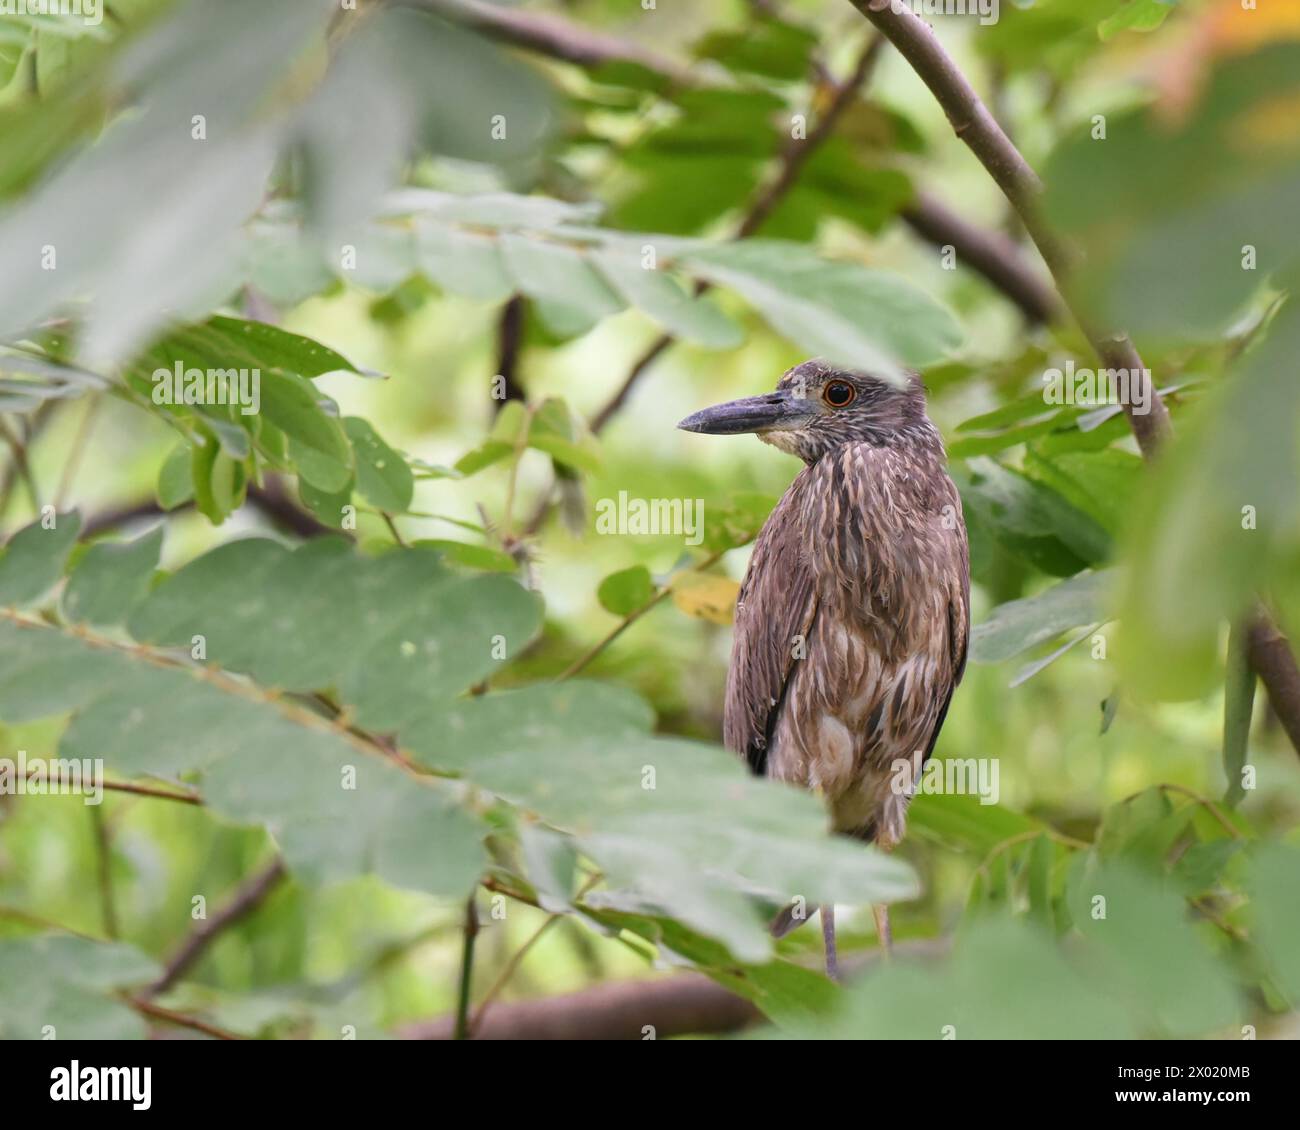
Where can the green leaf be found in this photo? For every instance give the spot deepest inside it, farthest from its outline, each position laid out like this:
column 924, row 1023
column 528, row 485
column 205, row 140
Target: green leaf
column 463, row 263
column 55, row 986
column 1006, row 981
column 552, row 429
column 175, row 483
column 1146, row 950
column 661, row 298
column 111, row 578
column 570, row 296
column 1031, row 519
column 766, row 46
column 483, row 557
column 862, row 318
column 270, row 347
column 32, row 563
column 1018, row 625
column 1275, row 898
column 963, row 823
column 382, row 474
column 622, row 792
column 626, row 591
column 1167, row 233
column 317, row 442
column 1136, row 15
column 1216, row 522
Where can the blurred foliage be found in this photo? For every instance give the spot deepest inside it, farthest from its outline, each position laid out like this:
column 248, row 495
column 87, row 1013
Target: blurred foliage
column 350, row 630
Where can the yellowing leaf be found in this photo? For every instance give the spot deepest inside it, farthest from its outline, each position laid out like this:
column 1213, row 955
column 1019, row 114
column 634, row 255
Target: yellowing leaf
column 707, row 597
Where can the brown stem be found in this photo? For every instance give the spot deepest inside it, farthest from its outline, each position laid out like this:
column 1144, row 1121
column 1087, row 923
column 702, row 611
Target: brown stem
column 635, row 615
column 510, row 335
column 181, row 1020
column 987, row 252
column 1274, row 662
column 686, row 1004
column 246, row 899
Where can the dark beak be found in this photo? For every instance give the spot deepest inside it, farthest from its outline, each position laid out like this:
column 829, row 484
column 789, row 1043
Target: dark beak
column 773, row 410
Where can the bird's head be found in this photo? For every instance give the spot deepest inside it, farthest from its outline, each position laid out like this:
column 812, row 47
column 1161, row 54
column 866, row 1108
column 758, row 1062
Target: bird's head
column 817, row 407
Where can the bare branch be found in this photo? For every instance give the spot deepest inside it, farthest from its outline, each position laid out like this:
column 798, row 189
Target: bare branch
column 1275, row 664
column 988, row 253
column 246, row 899
column 686, row 1004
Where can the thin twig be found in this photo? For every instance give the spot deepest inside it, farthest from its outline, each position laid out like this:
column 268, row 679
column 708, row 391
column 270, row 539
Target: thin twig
column 246, row 899
column 104, row 870
column 632, row 617
column 392, row 528
column 79, row 444
column 180, row 1019
column 512, row 966
column 466, row 969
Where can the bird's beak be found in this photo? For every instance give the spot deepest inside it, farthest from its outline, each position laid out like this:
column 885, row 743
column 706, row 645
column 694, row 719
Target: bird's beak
column 769, row 412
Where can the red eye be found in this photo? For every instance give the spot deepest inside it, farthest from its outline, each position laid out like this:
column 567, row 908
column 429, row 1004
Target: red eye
column 839, row 393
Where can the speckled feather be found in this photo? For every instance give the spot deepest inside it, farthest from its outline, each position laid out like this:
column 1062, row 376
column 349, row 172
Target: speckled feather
column 852, row 622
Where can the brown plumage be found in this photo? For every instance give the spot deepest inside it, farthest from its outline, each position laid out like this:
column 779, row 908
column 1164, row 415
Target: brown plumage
column 852, row 621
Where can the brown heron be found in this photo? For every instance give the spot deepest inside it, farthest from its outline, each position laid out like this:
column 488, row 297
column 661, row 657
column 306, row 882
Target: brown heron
column 852, row 621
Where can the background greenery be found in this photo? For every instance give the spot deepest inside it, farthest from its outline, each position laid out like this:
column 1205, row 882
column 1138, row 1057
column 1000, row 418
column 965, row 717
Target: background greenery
column 318, row 192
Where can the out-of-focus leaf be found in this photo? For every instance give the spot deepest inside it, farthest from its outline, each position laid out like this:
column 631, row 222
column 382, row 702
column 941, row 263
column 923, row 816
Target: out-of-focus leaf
column 111, row 578
column 32, row 563
column 1170, row 236
column 62, row 987
column 1018, row 625
column 660, row 297
column 175, row 484
column 1216, row 522
column 626, row 591
column 706, row 596
column 862, row 318
column 1031, row 519
column 766, row 46
column 1275, row 898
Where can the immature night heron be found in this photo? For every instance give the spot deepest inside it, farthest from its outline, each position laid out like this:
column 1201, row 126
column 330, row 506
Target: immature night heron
column 852, row 622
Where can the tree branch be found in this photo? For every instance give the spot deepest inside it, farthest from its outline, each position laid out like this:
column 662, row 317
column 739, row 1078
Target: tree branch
column 988, row 253
column 1274, row 662
column 682, row 1005
column 246, row 899
column 674, row 1006
column 510, row 334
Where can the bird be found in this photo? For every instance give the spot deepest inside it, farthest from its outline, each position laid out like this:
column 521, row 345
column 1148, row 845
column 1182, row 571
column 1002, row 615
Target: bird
column 852, row 621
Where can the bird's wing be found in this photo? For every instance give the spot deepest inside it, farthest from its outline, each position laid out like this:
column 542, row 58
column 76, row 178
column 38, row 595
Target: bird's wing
column 775, row 612
column 958, row 610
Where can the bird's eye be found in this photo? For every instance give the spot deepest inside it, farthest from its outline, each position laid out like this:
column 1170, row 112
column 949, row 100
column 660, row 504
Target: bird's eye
column 839, row 393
